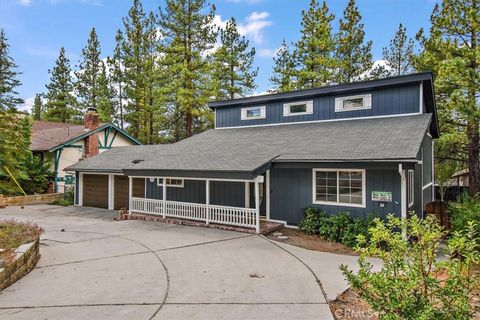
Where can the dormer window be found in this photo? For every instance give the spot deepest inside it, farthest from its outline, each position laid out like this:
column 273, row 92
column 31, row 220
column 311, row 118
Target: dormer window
column 251, row 113
column 350, row 103
column 297, row 108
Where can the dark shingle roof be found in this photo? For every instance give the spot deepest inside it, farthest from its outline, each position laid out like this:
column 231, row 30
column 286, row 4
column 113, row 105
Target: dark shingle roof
column 247, row 149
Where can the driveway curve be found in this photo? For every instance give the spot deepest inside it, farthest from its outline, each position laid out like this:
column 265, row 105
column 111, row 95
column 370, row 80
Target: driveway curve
column 94, row 267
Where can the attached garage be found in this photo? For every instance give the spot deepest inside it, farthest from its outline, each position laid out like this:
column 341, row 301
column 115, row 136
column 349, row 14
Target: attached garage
column 95, row 190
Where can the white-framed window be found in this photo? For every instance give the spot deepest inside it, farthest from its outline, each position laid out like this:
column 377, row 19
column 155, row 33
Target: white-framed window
column 251, row 113
column 411, row 187
column 341, row 187
column 178, row 183
column 350, row 103
column 297, row 108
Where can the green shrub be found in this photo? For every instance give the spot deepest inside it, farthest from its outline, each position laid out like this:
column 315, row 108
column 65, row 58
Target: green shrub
column 463, row 211
column 339, row 227
column 413, row 283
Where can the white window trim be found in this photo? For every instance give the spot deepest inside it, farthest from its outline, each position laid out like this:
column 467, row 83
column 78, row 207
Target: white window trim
column 286, row 108
column 367, row 102
column 160, row 184
column 339, row 204
column 411, row 188
column 263, row 113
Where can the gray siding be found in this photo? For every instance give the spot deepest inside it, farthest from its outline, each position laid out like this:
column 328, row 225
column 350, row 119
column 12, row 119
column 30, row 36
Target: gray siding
column 390, row 101
column 291, row 193
column 221, row 193
column 427, row 146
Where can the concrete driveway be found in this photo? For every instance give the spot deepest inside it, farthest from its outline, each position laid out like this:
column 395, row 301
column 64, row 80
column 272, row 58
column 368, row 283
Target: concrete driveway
column 95, row 268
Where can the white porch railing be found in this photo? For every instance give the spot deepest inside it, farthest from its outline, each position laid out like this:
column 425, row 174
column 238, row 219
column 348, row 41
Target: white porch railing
column 235, row 216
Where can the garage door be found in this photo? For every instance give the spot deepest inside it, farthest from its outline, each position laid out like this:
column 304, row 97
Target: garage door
column 121, row 191
column 95, row 190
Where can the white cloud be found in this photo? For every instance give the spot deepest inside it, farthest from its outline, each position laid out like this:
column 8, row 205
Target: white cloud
column 27, row 104
column 24, row 3
column 252, row 27
column 267, row 53
column 254, row 16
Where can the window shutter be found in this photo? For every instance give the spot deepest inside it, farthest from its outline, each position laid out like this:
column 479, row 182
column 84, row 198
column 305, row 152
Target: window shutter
column 338, row 104
column 368, row 101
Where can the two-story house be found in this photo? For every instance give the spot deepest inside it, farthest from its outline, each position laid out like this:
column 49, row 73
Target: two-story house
column 364, row 147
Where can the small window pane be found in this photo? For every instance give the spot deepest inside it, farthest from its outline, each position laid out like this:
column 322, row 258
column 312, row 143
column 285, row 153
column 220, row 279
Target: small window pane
column 298, row 108
column 254, row 112
column 353, row 103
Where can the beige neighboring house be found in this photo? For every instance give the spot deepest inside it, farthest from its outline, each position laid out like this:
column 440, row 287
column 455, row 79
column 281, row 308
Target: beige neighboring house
column 460, row 178
column 63, row 144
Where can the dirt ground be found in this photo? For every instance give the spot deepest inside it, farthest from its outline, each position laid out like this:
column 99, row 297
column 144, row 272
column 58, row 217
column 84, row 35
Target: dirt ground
column 311, row 242
column 349, row 306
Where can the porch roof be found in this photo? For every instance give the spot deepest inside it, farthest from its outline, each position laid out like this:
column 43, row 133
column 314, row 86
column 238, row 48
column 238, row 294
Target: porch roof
column 247, row 152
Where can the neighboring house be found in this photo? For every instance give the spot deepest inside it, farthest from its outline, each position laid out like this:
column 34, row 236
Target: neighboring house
column 460, row 178
column 364, row 147
column 63, row 144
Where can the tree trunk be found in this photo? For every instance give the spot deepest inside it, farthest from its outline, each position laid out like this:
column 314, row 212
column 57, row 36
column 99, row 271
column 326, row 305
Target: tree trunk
column 473, row 157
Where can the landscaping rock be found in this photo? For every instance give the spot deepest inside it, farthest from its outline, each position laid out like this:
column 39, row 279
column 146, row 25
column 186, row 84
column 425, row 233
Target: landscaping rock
column 282, row 237
column 276, row 234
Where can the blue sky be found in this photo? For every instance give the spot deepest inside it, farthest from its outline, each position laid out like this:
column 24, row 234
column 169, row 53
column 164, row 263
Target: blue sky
column 38, row 28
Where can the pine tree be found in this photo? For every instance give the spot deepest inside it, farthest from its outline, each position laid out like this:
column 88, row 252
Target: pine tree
column 88, row 73
column 189, row 32
column 283, row 72
column 451, row 50
column 105, row 97
column 117, row 78
column 234, row 75
column 8, row 77
column 352, row 53
column 314, row 51
column 37, row 109
column 61, row 104
column 398, row 56
column 139, row 54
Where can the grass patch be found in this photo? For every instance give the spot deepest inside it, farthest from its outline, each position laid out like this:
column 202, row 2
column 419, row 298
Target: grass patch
column 13, row 234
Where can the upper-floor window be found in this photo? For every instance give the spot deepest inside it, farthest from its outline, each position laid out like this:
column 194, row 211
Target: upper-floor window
column 358, row 102
column 251, row 113
column 298, row 108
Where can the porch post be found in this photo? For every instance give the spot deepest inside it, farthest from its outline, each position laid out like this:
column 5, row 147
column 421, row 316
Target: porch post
column 80, row 189
column 110, row 191
column 403, row 197
column 164, row 196
column 257, row 207
column 207, row 201
column 267, row 194
column 247, row 194
column 130, row 194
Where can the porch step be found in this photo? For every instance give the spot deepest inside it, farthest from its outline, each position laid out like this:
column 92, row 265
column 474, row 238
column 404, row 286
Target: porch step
column 265, row 226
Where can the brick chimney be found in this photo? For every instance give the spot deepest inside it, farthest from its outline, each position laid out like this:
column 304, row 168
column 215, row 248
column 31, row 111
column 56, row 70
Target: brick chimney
column 91, row 121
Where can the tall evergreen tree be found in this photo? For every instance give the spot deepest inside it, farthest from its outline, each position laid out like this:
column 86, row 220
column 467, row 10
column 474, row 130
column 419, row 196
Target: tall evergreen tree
column 451, row 50
column 117, row 78
column 398, row 56
column 37, row 109
column 61, row 103
column 314, row 51
column 139, row 54
column 88, row 73
column 234, row 74
column 353, row 54
column 190, row 34
column 105, row 97
column 284, row 70
column 9, row 99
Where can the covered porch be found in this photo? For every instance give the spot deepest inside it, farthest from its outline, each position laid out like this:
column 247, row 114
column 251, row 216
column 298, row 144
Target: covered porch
column 205, row 200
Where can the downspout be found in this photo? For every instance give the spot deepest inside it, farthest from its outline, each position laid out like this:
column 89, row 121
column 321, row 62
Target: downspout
column 403, row 197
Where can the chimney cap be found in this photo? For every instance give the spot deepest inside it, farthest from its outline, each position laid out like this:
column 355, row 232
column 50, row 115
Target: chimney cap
column 91, row 109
